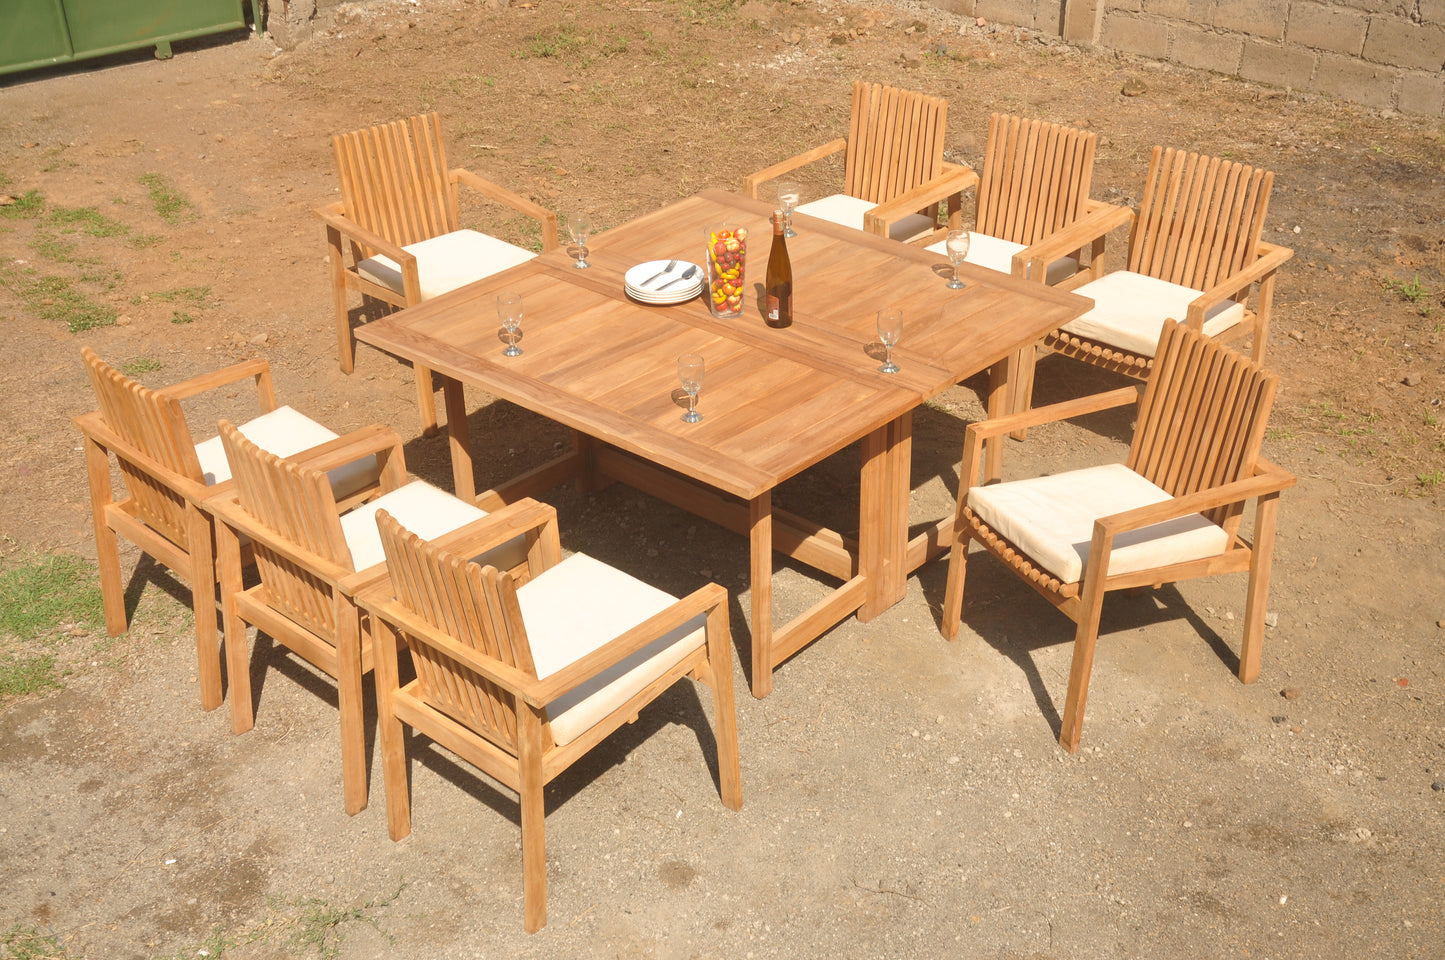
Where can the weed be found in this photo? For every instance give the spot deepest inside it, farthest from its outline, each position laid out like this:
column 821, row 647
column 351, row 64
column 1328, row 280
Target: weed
column 1431, row 479
column 54, row 298
column 53, row 248
column 1413, row 292
column 1431, row 419
column 319, row 924
column 23, row 942
column 196, row 296
column 27, row 206
column 139, row 367
column 560, row 42
column 181, row 316
column 40, row 594
column 23, row 674
column 88, row 220
column 171, row 205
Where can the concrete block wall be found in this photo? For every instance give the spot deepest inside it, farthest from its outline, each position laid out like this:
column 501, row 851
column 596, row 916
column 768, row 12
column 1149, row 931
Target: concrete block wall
column 1388, row 54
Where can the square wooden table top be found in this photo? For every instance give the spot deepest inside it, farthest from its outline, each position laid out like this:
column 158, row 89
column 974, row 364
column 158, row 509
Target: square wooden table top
column 773, row 401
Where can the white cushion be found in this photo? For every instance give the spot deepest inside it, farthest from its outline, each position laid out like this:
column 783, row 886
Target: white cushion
column 1051, row 520
column 285, row 433
column 996, row 254
column 578, row 606
column 1130, row 310
column 446, row 262
column 427, row 512
column 848, row 212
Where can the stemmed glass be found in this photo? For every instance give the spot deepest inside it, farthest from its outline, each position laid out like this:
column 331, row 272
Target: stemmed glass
column 890, row 328
column 579, row 225
column 509, row 311
column 788, row 195
column 689, row 371
column 956, row 244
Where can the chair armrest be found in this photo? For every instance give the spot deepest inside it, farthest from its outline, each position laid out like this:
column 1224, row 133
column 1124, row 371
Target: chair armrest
column 754, row 180
column 93, row 426
column 1064, row 410
column 354, row 231
column 952, row 182
column 492, row 191
column 1269, row 259
column 375, row 440
column 526, row 518
column 1101, row 220
column 259, row 369
column 226, row 508
column 1272, row 480
column 379, row 602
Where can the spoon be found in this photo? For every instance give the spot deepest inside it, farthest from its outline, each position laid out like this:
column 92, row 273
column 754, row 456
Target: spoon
column 671, row 266
column 685, row 275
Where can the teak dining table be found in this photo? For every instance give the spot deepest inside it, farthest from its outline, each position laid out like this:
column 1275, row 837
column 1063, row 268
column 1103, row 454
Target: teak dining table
column 774, row 401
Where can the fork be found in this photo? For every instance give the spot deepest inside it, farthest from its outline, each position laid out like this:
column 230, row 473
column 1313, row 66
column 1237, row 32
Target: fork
column 672, row 265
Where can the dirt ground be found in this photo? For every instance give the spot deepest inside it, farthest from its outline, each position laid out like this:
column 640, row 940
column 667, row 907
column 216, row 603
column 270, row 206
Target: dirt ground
column 903, row 797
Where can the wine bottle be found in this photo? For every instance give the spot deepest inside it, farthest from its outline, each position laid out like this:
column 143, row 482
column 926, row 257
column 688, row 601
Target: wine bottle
column 779, row 289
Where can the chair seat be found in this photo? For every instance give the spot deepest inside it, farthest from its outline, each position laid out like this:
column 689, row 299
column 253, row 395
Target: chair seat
column 848, row 212
column 285, row 433
column 578, row 606
column 429, row 512
column 1130, row 310
column 1051, row 520
column 446, row 262
column 996, row 254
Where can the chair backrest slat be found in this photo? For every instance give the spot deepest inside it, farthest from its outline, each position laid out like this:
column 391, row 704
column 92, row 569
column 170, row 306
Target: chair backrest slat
column 1201, row 218
column 895, row 141
column 476, row 606
column 154, row 424
column 296, row 505
column 1035, row 179
column 1202, row 418
column 394, row 179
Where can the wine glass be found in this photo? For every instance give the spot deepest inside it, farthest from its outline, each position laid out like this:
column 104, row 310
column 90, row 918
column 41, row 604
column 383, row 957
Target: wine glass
column 788, row 194
column 509, row 311
column 579, row 225
column 689, row 371
column 956, row 245
column 890, row 328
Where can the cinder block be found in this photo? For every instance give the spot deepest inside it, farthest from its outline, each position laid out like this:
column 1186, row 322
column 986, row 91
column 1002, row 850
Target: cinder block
column 1196, row 47
column 959, row 8
column 1393, row 8
column 1049, row 17
column 1258, row 18
column 1350, row 79
column 1327, row 28
column 1423, row 93
column 1432, row 11
column 1016, row 13
column 1192, row 11
column 1282, row 65
column 1138, row 35
column 1405, row 44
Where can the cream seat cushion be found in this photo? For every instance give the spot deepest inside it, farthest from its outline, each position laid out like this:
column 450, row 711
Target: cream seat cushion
column 578, row 606
column 285, row 433
column 446, row 262
column 1051, row 520
column 1130, row 310
column 848, row 212
column 996, row 254
column 426, row 511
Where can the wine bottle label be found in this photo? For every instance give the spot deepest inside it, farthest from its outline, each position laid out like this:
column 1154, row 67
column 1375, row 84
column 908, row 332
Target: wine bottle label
column 772, row 307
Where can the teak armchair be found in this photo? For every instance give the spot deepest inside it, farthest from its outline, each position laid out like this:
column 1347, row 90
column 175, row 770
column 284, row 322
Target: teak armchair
column 1171, row 511
column 167, row 479
column 396, row 233
column 522, row 682
column 312, row 561
column 1195, row 253
column 894, row 146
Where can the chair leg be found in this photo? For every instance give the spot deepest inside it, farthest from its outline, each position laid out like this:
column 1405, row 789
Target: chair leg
column 725, row 722
column 1086, row 636
column 349, row 701
column 953, row 594
column 390, row 731
column 426, row 401
column 534, row 815
column 238, row 661
column 345, row 349
column 1260, row 560
column 202, row 574
column 107, row 546
column 1023, row 387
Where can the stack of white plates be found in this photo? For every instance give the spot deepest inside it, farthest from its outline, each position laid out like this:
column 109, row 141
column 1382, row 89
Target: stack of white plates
column 652, row 282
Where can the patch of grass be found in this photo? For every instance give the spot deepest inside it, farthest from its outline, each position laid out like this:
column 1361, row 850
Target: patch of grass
column 54, row 248
column 39, row 595
column 558, row 42
column 1432, row 479
column 1412, row 292
column 22, row 942
column 139, row 367
column 27, row 206
column 88, row 220
column 23, row 674
column 171, row 205
column 196, row 296
column 55, row 298
column 181, row 316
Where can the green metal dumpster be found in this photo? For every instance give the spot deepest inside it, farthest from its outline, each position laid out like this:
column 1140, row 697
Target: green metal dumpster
column 38, row 33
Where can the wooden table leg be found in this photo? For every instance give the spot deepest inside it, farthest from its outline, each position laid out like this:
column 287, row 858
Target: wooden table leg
column 760, row 522
column 883, row 515
column 464, row 484
column 999, row 403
